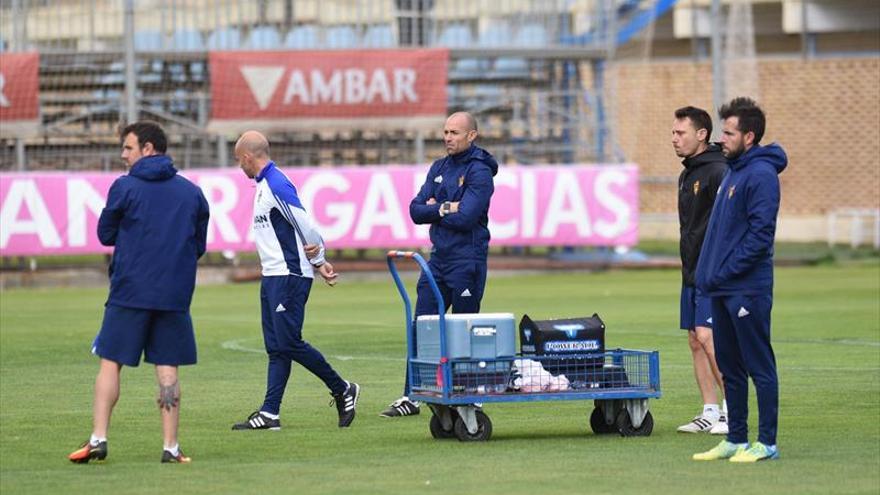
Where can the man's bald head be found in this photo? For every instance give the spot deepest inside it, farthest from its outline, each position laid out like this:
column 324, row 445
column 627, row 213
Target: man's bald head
column 466, row 118
column 255, row 143
column 459, row 132
column 252, row 152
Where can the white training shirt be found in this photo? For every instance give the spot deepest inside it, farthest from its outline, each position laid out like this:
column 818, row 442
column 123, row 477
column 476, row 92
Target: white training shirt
column 282, row 227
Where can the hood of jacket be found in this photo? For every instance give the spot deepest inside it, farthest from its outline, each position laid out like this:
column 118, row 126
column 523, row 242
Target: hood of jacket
column 772, row 154
column 154, row 168
column 712, row 154
column 474, row 152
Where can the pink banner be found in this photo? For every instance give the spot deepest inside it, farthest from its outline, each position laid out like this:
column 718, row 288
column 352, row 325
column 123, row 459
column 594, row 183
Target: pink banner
column 363, row 207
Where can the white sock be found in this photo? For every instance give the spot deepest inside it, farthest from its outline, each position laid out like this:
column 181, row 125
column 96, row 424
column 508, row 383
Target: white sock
column 710, row 412
column 724, row 406
column 270, row 415
column 93, row 440
column 174, row 450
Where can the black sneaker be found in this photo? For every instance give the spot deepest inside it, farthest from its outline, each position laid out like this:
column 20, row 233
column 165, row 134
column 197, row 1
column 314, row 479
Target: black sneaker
column 401, row 407
column 180, row 458
column 346, row 402
column 88, row 452
column 258, row 421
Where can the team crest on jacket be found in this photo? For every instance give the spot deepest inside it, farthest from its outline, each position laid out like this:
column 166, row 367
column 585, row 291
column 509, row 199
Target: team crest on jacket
column 461, row 181
column 696, row 187
column 730, row 191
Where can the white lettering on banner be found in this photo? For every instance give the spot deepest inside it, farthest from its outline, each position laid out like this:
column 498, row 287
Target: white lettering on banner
column 508, row 229
column 3, row 101
column 354, row 86
column 378, row 85
column 81, row 197
column 326, row 91
column 529, row 204
column 296, row 87
column 380, row 191
column 347, row 87
column 262, row 81
column 220, row 206
column 566, row 191
column 342, row 212
column 606, row 197
column 404, row 85
column 25, row 192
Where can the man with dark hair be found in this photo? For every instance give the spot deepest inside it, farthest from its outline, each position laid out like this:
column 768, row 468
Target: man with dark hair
column 454, row 201
column 291, row 252
column 704, row 167
column 736, row 270
column 152, row 278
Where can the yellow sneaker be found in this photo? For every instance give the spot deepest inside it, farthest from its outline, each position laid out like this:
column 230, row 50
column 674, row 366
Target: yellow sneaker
column 724, row 450
column 757, row 452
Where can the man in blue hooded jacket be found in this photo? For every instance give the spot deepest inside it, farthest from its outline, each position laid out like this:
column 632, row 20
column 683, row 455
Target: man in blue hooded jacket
column 735, row 269
column 158, row 223
column 454, row 201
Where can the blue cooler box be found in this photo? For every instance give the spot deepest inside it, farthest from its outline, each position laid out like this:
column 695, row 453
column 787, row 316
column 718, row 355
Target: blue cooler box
column 471, row 336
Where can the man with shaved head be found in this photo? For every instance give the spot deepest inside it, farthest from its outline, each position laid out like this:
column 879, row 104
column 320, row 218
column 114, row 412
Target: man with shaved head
column 291, row 251
column 454, row 201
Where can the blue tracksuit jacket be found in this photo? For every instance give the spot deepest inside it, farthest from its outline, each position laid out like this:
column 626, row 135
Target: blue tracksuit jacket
column 158, row 222
column 737, row 253
column 464, row 177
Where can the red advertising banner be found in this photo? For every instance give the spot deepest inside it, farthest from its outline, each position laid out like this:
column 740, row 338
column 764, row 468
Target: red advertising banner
column 339, row 89
column 19, row 91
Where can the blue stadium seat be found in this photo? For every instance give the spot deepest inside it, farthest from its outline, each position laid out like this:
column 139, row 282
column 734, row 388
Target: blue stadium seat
column 340, row 37
column 115, row 74
column 496, row 35
column 148, row 41
column 264, row 38
column 528, row 36
column 225, row 39
column 531, row 35
column 379, row 36
column 454, row 35
column 187, row 40
column 302, row 37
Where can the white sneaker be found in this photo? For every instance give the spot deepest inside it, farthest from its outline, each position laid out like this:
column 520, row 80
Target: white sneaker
column 699, row 424
column 720, row 428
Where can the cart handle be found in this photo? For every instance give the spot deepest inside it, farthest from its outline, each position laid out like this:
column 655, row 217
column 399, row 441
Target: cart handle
column 423, row 265
column 441, row 310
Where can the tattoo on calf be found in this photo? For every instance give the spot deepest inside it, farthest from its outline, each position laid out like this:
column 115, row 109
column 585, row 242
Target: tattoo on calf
column 169, row 396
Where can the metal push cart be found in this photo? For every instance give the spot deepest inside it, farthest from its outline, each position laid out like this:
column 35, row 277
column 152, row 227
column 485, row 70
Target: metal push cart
column 619, row 381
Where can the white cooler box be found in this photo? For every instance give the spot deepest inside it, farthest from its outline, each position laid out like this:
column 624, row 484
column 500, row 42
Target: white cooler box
column 478, row 336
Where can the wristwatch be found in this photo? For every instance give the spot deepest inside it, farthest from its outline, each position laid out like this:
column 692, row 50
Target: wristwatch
column 445, row 208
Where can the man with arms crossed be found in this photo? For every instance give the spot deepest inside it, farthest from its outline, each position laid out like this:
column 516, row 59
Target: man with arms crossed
column 158, row 223
column 736, row 271
column 704, row 167
column 291, row 250
column 454, row 201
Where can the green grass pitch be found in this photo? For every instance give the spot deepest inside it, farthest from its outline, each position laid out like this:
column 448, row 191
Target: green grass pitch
column 826, row 334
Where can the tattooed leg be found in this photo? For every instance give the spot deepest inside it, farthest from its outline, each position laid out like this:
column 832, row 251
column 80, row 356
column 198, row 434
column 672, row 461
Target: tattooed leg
column 169, row 402
column 169, row 396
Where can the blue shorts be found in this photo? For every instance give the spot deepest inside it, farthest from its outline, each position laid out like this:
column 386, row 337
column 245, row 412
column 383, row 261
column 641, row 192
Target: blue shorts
column 696, row 309
column 164, row 337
